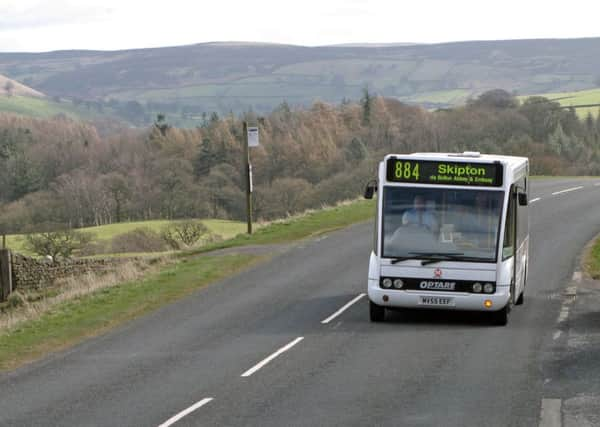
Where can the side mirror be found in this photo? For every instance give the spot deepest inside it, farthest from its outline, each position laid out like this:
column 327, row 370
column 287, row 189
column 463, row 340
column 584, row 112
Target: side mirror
column 523, row 199
column 370, row 189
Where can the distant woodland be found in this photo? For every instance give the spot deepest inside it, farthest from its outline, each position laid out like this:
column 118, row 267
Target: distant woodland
column 59, row 171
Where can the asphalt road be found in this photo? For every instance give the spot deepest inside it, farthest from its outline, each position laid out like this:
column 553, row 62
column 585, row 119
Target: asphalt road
column 184, row 364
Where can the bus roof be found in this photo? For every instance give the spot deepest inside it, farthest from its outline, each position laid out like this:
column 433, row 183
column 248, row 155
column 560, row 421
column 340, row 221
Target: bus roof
column 513, row 162
column 416, row 168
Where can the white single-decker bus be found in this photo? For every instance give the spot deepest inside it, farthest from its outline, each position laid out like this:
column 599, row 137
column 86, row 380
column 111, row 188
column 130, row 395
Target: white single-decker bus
column 451, row 232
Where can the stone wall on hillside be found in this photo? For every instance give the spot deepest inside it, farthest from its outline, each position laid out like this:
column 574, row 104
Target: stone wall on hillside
column 31, row 273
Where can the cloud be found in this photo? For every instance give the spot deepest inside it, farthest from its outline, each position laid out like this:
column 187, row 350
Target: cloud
column 41, row 25
column 24, row 14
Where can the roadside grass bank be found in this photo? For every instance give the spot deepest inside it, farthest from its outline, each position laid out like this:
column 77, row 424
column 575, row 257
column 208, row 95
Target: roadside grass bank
column 591, row 258
column 31, row 327
column 22, row 306
column 90, row 315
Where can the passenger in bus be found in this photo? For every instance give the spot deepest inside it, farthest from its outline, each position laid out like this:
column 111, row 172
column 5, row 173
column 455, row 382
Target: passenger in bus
column 477, row 221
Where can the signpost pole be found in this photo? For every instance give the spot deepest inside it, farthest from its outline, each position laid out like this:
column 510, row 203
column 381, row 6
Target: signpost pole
column 248, row 179
column 6, row 285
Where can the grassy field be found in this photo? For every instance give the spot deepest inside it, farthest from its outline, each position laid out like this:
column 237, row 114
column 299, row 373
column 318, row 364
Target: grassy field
column 43, row 107
column 46, row 107
column 225, row 229
column 90, row 315
column 583, row 97
column 452, row 97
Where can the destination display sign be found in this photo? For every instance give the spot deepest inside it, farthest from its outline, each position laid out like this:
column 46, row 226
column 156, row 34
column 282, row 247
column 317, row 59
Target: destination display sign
column 444, row 173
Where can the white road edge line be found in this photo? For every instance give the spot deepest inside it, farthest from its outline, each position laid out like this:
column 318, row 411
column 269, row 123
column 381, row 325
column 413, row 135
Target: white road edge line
column 567, row 190
column 597, row 184
column 550, row 413
column 535, row 200
column 341, row 310
column 271, row 357
column 185, row 412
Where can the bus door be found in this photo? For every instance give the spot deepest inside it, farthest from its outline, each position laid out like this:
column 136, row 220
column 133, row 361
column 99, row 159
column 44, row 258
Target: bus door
column 516, row 237
column 510, row 238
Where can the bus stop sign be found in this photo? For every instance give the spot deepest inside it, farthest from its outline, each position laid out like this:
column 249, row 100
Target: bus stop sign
column 252, row 136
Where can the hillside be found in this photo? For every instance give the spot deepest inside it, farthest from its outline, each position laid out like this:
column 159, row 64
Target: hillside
column 18, row 98
column 44, row 107
column 10, row 87
column 186, row 81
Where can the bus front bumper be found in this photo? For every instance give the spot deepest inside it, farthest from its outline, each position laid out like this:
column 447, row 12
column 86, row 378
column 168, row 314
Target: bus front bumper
column 438, row 300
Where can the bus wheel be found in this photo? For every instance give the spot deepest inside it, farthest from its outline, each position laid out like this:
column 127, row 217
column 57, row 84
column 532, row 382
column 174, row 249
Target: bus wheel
column 376, row 312
column 500, row 317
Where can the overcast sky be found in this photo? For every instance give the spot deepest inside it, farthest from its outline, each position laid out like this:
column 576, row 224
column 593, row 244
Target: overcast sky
column 36, row 25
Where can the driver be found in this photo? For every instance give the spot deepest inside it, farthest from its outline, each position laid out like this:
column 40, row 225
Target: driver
column 420, row 216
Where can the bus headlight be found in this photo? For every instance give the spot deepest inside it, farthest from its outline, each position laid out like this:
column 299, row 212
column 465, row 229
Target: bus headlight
column 386, row 283
column 398, row 283
column 477, row 287
column 488, row 288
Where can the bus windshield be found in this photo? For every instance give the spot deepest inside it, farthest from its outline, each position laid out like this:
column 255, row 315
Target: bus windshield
column 436, row 221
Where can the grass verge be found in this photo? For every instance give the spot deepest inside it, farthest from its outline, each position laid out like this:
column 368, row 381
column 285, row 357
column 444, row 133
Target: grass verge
column 70, row 322
column 591, row 259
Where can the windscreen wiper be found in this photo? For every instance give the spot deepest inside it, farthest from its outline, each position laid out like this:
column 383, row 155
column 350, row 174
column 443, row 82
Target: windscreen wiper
column 421, row 255
column 450, row 257
column 402, row 258
column 433, row 257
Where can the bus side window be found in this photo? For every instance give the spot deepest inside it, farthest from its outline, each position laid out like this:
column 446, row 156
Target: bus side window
column 509, row 228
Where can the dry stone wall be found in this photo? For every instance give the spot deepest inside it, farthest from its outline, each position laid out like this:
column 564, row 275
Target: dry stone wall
column 31, row 273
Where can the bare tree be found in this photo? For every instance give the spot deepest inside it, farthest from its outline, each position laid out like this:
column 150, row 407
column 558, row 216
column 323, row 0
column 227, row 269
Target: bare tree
column 186, row 232
column 9, row 86
column 62, row 242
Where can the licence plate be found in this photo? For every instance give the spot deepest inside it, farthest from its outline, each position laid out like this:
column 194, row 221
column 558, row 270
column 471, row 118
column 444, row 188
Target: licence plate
column 436, row 301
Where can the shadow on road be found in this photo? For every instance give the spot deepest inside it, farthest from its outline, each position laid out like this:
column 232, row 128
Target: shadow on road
column 438, row 317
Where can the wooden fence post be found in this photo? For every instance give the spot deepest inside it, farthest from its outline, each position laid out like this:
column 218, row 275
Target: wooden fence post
column 5, row 274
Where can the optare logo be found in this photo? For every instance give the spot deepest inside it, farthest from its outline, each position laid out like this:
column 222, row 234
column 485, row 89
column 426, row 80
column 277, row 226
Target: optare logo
column 437, row 273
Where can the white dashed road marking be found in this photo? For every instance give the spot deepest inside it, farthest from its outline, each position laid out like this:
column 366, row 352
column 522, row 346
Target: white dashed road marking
column 271, row 357
column 535, row 200
column 185, row 412
column 567, row 190
column 341, row 310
